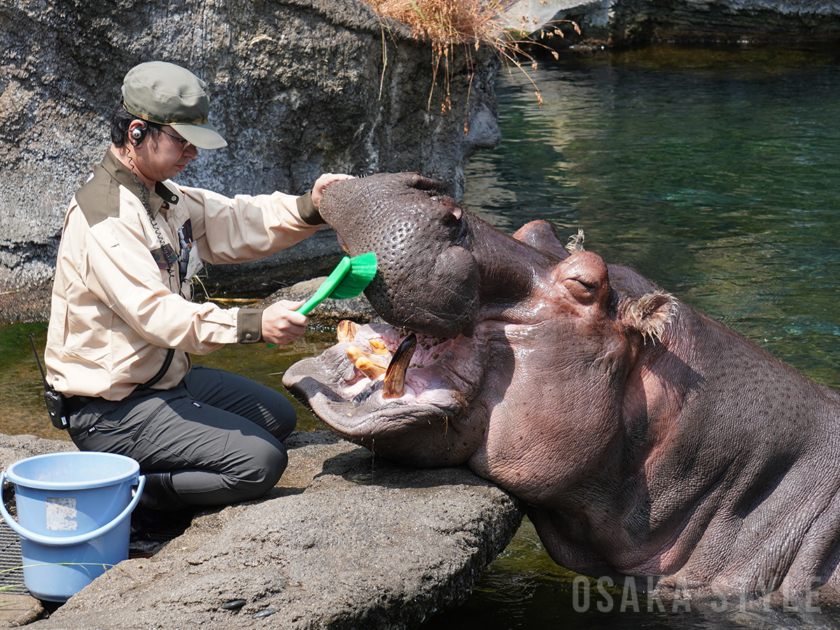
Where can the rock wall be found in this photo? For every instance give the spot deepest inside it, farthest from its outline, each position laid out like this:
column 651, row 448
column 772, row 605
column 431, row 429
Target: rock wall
column 730, row 22
column 613, row 23
column 298, row 87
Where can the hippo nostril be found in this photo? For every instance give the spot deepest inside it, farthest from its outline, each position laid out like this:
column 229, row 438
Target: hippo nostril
column 394, row 384
column 450, row 204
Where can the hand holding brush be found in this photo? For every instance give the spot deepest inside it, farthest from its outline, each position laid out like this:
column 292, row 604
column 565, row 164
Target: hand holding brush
column 347, row 280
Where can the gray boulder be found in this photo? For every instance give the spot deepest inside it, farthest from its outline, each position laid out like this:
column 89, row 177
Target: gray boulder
column 330, row 312
column 615, row 23
column 13, row 448
column 343, row 541
column 298, row 87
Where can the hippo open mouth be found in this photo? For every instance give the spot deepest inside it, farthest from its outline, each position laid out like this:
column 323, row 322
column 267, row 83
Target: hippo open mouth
column 424, row 370
column 378, row 381
column 380, row 369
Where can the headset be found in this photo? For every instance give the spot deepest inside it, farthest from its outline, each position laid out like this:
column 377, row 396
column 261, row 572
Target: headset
column 138, row 133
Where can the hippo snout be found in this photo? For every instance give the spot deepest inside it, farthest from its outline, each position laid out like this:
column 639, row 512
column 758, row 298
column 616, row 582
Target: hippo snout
column 427, row 279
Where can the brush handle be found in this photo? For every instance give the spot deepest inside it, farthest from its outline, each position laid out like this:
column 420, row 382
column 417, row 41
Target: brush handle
column 327, row 286
column 324, row 291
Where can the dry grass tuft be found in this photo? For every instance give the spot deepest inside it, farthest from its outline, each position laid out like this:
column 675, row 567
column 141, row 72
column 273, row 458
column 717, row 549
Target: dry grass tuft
column 467, row 24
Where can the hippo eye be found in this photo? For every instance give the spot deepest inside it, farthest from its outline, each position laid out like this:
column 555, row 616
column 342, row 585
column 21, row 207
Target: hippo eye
column 582, row 289
column 590, row 285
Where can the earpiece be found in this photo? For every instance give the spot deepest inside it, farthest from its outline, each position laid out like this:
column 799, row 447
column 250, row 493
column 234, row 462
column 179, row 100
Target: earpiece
column 138, row 133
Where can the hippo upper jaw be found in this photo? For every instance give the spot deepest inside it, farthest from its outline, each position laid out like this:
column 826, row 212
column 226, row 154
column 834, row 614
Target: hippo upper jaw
column 436, row 262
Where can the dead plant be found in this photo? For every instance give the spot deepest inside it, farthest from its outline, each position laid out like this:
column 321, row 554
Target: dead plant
column 452, row 24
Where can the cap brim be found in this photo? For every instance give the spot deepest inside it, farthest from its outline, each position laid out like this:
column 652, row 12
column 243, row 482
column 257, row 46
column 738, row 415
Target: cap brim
column 203, row 136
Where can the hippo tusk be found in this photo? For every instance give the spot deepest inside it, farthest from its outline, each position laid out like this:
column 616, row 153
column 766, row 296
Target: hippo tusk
column 394, row 384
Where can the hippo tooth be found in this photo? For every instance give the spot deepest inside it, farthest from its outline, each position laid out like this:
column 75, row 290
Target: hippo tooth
column 394, row 384
column 378, row 346
column 371, row 366
column 346, row 330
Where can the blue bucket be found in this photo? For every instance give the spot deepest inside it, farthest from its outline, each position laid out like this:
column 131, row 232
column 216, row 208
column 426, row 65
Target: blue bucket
column 73, row 514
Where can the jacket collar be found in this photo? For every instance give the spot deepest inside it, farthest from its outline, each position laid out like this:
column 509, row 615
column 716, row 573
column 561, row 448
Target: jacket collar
column 161, row 196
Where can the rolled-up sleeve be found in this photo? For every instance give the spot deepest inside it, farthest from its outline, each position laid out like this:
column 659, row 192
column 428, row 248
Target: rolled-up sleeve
column 243, row 228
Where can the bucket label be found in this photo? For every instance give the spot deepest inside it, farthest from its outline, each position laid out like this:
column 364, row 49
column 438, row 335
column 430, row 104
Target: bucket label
column 61, row 514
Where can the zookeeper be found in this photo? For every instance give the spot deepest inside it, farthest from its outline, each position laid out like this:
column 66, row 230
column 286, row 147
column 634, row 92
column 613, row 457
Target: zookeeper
column 122, row 323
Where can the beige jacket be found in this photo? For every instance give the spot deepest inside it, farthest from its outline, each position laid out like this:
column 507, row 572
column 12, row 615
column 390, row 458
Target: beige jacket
column 116, row 309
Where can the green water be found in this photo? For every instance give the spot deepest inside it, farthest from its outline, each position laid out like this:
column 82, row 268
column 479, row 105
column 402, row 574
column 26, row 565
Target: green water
column 713, row 172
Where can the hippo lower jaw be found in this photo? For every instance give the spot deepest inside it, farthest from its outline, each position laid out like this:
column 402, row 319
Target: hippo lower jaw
column 346, row 387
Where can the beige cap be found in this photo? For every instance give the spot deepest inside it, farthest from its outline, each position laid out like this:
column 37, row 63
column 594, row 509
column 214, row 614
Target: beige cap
column 166, row 94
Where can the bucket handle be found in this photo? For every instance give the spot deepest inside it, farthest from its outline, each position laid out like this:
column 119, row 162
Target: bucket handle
column 72, row 540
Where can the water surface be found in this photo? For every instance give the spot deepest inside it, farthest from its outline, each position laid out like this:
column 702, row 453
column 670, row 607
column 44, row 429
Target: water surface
column 713, row 173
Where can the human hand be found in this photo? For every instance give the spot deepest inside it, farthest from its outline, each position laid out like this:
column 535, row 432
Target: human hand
column 282, row 324
column 322, row 182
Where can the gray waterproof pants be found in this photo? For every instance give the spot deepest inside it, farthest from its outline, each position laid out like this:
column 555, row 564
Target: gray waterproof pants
column 220, row 434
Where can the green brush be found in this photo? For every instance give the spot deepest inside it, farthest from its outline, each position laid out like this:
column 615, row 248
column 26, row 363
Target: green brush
column 347, row 280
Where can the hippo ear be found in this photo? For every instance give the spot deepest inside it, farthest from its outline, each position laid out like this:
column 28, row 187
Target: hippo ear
column 541, row 236
column 575, row 243
column 649, row 314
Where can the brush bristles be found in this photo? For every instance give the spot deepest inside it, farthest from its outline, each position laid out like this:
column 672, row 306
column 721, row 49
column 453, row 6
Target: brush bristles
column 362, row 272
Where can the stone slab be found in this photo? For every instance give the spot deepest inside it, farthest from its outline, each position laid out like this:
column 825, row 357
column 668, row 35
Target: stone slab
column 344, row 541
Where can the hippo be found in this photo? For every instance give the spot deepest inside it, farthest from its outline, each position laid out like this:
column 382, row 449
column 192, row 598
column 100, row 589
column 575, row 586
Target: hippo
column 644, row 437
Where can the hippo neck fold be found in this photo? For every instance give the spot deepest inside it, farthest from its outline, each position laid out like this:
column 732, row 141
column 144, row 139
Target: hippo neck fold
column 705, row 474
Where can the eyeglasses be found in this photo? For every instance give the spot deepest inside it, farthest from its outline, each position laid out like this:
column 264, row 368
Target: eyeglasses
column 180, row 141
